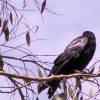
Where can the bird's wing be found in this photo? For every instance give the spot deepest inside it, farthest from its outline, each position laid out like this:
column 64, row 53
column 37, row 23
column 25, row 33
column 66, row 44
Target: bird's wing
column 72, row 51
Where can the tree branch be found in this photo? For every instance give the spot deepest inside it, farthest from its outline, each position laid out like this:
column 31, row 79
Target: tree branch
column 52, row 77
column 23, row 60
column 18, row 87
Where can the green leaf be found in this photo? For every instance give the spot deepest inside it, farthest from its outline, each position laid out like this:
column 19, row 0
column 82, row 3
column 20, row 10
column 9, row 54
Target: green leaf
column 65, row 89
column 70, row 91
column 91, row 72
column 78, row 83
column 41, row 76
column 59, row 97
column 40, row 73
column 75, row 98
column 90, row 91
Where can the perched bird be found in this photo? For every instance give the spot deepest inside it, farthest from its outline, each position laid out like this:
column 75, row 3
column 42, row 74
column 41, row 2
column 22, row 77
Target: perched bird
column 76, row 56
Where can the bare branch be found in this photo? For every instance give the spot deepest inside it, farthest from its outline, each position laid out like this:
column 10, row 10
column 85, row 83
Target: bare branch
column 18, row 87
column 52, row 77
column 32, row 61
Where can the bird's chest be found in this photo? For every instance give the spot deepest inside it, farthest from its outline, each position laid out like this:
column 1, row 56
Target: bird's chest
column 82, row 60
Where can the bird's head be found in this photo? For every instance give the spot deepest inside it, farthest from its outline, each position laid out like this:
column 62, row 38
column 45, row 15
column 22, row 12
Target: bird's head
column 89, row 35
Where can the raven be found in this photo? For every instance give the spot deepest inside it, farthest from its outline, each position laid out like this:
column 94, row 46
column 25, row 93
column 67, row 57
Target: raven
column 76, row 56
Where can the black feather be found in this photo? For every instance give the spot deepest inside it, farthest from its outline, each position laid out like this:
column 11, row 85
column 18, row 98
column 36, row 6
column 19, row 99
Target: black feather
column 76, row 56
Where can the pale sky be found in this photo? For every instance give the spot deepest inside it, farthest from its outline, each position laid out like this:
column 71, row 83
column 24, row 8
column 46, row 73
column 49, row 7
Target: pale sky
column 76, row 17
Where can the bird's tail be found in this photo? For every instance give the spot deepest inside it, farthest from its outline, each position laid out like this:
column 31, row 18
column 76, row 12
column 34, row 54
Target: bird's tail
column 53, row 85
column 52, row 89
column 41, row 88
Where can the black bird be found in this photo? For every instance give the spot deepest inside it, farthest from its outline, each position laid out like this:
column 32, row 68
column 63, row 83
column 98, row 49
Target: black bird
column 76, row 56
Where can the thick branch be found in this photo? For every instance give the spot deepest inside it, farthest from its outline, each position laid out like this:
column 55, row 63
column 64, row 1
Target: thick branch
column 58, row 77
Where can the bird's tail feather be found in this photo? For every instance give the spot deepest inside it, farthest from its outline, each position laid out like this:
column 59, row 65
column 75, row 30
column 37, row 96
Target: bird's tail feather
column 41, row 88
column 53, row 85
column 52, row 89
